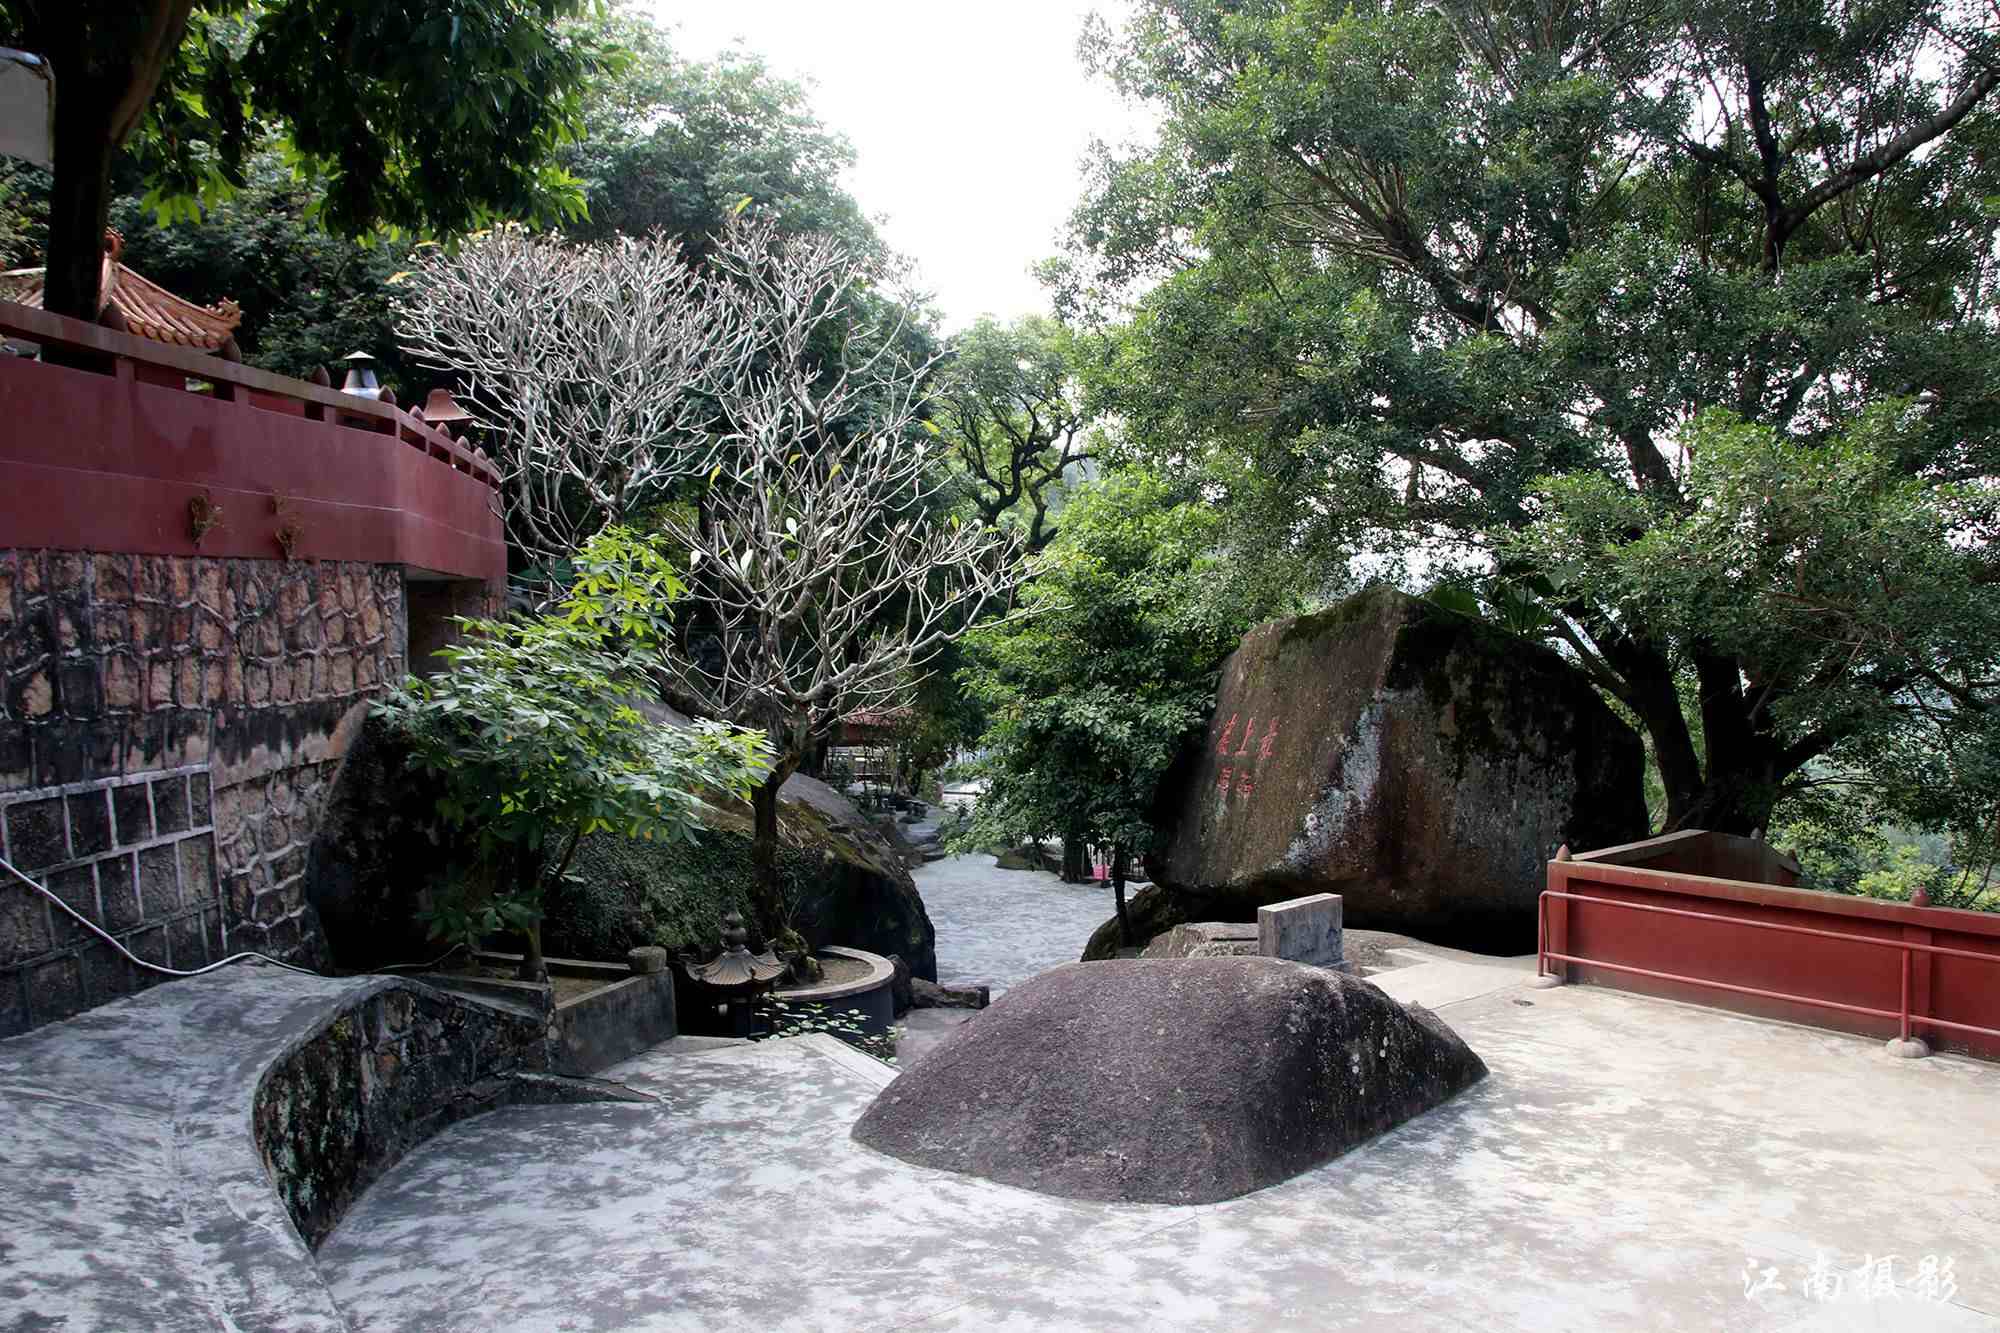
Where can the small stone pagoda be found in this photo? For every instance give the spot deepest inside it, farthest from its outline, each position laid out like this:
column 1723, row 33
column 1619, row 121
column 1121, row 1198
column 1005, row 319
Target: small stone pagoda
column 134, row 304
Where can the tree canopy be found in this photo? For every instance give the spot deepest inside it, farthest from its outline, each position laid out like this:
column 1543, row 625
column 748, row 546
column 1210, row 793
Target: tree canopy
column 1467, row 286
column 672, row 144
column 429, row 119
column 665, row 144
column 1006, row 404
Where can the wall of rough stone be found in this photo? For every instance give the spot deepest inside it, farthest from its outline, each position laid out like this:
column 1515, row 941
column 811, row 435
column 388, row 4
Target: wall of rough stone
column 169, row 727
column 335, row 1113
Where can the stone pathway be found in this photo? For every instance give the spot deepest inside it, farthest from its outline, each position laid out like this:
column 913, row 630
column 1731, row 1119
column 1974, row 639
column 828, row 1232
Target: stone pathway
column 996, row 928
column 1623, row 1167
column 999, row 927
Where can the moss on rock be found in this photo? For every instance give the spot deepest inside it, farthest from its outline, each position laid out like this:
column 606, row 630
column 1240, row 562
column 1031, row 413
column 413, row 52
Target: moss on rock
column 849, row 886
column 1418, row 762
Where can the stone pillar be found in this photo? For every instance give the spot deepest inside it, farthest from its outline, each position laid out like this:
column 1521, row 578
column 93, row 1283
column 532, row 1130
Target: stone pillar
column 1303, row 930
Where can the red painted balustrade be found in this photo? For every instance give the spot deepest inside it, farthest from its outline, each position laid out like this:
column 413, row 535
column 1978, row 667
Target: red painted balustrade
column 130, row 443
column 1639, row 918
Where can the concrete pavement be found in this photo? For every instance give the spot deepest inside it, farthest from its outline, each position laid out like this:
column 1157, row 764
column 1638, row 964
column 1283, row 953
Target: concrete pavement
column 1630, row 1164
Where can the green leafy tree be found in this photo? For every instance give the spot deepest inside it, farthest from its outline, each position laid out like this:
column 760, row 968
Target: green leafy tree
column 24, row 199
column 309, row 296
column 536, row 737
column 1861, row 595
column 674, row 145
column 1092, row 691
column 666, row 144
column 1428, row 275
column 426, row 118
column 1006, row 405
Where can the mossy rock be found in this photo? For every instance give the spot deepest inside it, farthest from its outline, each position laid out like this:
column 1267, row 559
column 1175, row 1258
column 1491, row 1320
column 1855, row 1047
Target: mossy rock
column 850, row 886
column 1153, row 911
column 1421, row 764
column 1026, row 858
column 379, row 849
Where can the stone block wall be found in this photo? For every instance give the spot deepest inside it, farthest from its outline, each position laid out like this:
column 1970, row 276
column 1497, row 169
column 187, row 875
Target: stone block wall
column 334, row 1114
column 169, row 726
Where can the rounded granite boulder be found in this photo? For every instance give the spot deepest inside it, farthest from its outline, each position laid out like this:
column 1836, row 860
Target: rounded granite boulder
column 1169, row 1080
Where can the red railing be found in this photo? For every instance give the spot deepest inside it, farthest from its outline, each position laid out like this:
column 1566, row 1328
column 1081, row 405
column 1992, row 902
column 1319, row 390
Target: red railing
column 1904, row 1018
column 130, row 356
column 116, row 444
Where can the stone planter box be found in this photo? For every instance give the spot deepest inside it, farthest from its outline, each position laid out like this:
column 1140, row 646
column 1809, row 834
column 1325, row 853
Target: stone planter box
column 592, row 1031
column 870, row 998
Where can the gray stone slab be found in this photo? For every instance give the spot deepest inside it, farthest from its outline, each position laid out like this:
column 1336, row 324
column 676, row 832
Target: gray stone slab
column 135, row 1196
column 1302, row 930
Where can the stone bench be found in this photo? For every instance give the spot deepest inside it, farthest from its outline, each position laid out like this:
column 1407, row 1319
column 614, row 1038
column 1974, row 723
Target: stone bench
column 170, row 1159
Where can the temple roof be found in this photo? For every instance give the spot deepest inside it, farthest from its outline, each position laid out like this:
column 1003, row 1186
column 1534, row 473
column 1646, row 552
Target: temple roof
column 875, row 717
column 139, row 304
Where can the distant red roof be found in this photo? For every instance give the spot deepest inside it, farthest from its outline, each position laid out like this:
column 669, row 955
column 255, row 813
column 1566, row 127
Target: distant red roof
column 141, row 305
column 869, row 717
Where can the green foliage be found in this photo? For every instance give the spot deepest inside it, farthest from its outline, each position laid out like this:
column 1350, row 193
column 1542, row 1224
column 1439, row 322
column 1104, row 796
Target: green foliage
column 1113, row 662
column 1007, row 406
column 535, row 735
column 428, row 119
column 1860, row 593
column 677, row 145
column 1413, row 274
column 465, row 909
column 664, row 144
column 1843, row 850
column 24, row 212
column 309, row 297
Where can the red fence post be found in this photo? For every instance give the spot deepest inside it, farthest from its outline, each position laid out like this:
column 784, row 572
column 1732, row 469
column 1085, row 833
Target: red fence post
column 1552, row 923
column 1906, row 995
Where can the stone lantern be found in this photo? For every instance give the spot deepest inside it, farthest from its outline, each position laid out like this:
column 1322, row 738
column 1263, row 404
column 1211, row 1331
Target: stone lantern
column 736, row 976
column 361, row 381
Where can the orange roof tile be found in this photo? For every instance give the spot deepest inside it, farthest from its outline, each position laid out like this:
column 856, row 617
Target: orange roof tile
column 147, row 309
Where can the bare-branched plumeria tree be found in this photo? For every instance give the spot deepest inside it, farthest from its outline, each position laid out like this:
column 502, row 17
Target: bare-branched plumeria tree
column 592, row 364
column 823, row 576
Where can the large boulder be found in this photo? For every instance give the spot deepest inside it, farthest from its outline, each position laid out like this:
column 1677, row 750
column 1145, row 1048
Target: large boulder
column 378, row 851
column 850, row 885
column 1421, row 764
column 1168, row 1080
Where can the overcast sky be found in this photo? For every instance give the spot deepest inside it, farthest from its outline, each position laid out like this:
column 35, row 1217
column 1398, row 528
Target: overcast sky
column 968, row 119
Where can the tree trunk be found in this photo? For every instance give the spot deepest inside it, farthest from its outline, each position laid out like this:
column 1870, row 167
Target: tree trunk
column 1118, row 860
column 766, row 891
column 1728, row 782
column 1735, row 800
column 533, row 966
column 79, row 204
column 107, row 66
column 1075, row 859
